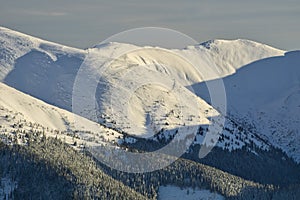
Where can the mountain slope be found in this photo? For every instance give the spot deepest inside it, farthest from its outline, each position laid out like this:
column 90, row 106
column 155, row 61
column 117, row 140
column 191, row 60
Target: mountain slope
column 48, row 71
column 42, row 69
column 23, row 113
column 265, row 94
column 152, row 93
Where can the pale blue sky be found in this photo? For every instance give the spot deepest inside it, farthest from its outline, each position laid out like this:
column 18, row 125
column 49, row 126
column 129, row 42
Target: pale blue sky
column 84, row 23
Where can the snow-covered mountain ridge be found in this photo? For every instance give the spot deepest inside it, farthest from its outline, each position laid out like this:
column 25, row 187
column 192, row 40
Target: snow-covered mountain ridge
column 47, row 71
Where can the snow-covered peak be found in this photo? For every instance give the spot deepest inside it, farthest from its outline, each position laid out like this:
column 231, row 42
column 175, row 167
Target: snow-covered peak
column 226, row 56
column 14, row 45
column 240, row 43
column 48, row 71
column 30, row 41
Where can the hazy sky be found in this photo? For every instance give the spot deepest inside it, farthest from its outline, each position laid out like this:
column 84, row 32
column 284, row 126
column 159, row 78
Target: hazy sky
column 84, row 23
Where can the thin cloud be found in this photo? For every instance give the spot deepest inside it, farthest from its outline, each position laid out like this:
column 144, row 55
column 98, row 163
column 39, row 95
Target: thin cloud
column 45, row 13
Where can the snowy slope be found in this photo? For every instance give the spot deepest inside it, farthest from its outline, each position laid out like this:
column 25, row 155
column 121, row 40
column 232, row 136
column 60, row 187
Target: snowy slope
column 141, row 92
column 48, row 71
column 266, row 95
column 42, row 69
column 21, row 112
column 275, row 110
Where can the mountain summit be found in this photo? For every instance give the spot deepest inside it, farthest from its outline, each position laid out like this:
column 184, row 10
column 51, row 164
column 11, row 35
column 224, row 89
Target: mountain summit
column 261, row 82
